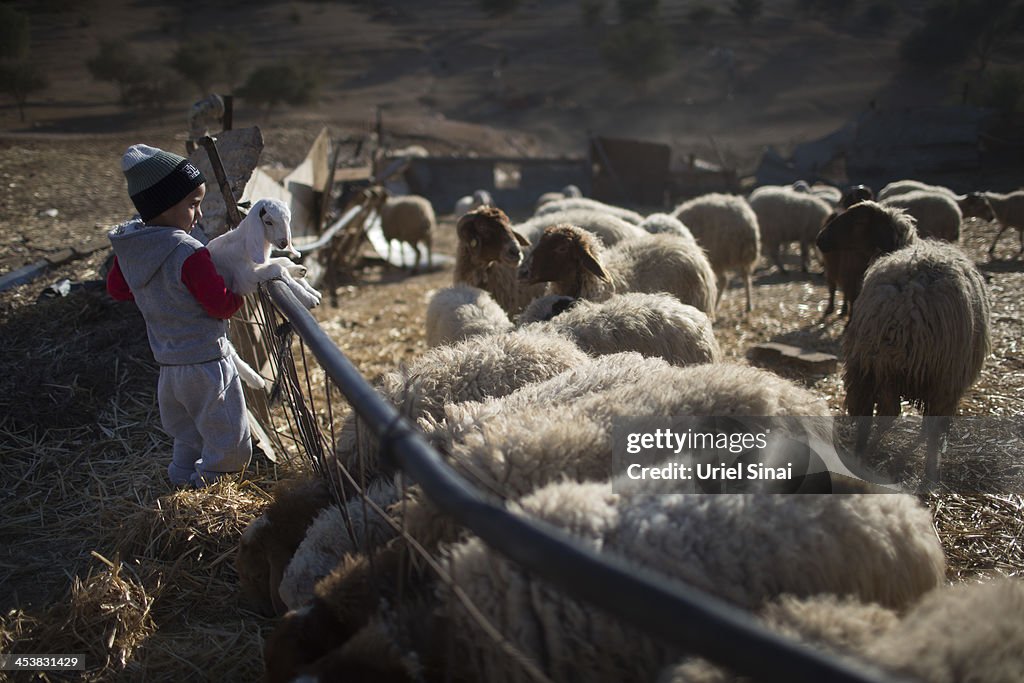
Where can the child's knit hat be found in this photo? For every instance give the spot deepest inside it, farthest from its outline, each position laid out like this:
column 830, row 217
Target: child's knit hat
column 157, row 180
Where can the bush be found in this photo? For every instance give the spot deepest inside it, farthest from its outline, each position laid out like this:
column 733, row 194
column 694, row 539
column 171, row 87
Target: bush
column 636, row 10
column 19, row 79
column 591, row 11
column 1005, row 91
column 747, row 10
column 14, row 33
column 207, row 60
column 291, row 84
column 639, row 50
column 701, row 15
column 498, row 7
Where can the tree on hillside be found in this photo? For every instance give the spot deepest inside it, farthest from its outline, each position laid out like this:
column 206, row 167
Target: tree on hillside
column 206, row 60
column 14, row 33
column 640, row 47
column 956, row 30
column 747, row 10
column 290, row 84
column 498, row 7
column 638, row 50
column 117, row 63
column 20, row 77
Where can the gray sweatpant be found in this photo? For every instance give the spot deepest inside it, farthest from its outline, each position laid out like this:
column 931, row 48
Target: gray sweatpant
column 203, row 409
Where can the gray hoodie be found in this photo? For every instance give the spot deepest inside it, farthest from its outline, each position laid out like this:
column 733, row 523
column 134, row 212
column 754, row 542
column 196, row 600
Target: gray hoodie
column 180, row 331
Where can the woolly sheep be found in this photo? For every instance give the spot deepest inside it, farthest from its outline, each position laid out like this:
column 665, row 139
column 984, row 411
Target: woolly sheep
column 270, row 541
column 828, row 193
column 658, row 223
column 850, row 241
column 920, row 332
column 473, row 369
column 968, row 204
column 745, row 548
column 898, row 187
column 334, row 533
column 487, row 255
column 654, row 325
column 611, row 229
column 964, row 632
column 460, row 312
column 569, row 203
column 937, row 215
column 785, row 215
column 567, row 192
column 409, row 219
column 476, row 200
column 576, row 265
column 726, row 227
column 1008, row 209
column 512, row 445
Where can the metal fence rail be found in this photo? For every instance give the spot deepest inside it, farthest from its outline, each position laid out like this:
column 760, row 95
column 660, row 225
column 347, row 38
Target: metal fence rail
column 667, row 610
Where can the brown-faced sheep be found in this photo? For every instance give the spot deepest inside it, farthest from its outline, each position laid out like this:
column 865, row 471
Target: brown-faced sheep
column 576, row 265
column 269, row 542
column 487, row 255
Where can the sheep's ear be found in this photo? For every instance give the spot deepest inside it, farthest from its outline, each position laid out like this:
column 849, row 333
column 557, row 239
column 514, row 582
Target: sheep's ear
column 590, row 262
column 467, row 232
column 255, row 242
column 883, row 237
column 523, row 242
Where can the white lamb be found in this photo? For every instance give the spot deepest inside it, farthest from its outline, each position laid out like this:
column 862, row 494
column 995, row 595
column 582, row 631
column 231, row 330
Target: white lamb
column 242, row 257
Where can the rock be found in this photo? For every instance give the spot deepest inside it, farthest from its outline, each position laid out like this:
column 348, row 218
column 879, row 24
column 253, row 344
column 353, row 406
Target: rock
column 804, row 360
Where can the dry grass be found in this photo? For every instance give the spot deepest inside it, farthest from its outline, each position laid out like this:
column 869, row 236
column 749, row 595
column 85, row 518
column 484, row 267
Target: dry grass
column 102, row 557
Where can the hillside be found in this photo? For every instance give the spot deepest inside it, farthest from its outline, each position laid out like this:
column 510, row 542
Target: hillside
column 537, row 70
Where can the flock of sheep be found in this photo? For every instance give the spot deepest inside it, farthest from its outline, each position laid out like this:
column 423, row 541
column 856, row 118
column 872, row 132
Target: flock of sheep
column 585, row 314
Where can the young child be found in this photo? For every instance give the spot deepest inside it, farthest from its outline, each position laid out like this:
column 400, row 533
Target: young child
column 171, row 278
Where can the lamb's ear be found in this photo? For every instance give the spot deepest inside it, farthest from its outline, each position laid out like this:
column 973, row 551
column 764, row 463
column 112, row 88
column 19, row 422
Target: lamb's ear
column 523, row 242
column 591, row 263
column 255, row 242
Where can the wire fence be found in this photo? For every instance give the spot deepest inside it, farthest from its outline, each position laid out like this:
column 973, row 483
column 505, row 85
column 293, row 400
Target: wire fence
column 314, row 387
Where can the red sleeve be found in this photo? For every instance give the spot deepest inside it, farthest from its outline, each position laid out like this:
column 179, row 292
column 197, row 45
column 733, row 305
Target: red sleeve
column 201, row 278
column 117, row 286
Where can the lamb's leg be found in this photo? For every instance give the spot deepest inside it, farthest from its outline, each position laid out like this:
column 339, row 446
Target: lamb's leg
column 992, row 248
column 1020, row 233
column 245, row 371
column 805, row 257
